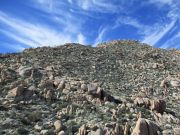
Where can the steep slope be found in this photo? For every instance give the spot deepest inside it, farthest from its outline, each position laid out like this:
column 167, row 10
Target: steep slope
column 103, row 87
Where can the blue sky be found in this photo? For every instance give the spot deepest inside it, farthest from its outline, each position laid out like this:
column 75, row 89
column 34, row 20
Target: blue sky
column 33, row 23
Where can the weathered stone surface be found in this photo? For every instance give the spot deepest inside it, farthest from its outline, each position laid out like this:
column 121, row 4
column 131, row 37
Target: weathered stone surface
column 145, row 127
column 92, row 88
column 82, row 130
column 84, row 87
column 18, row 91
column 158, row 105
column 61, row 133
column 25, row 71
column 61, row 85
column 176, row 131
column 99, row 132
column 58, row 125
column 142, row 102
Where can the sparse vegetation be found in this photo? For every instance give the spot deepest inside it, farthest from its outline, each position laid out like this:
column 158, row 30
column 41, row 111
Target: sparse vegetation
column 88, row 89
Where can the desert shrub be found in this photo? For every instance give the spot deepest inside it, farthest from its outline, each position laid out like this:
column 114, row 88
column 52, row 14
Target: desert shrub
column 22, row 131
column 34, row 116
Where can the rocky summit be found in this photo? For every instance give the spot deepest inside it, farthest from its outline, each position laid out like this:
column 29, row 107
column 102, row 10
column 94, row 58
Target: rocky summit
column 120, row 87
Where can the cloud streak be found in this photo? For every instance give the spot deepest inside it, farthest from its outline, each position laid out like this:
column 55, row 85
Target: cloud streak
column 158, row 35
column 35, row 35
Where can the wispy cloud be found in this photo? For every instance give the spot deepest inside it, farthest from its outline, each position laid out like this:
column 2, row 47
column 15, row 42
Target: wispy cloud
column 173, row 42
column 157, row 35
column 161, row 2
column 34, row 35
column 101, row 33
column 81, row 39
column 103, row 6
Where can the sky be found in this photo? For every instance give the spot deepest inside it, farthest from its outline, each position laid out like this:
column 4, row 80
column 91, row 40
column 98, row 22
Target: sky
column 36, row 23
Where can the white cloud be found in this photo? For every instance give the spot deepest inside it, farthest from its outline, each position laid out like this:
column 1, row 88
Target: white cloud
column 70, row 1
column 81, row 39
column 173, row 42
column 125, row 20
column 103, row 6
column 157, row 35
column 101, row 33
column 33, row 34
column 169, row 2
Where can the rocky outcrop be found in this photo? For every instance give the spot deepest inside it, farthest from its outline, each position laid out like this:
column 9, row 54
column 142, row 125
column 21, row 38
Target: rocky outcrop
column 157, row 105
column 145, row 127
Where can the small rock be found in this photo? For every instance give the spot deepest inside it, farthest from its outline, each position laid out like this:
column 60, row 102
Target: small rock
column 15, row 92
column 61, row 85
column 61, row 133
column 168, row 126
column 92, row 88
column 158, row 105
column 48, row 95
column 58, row 125
column 44, row 132
column 167, row 132
column 84, row 87
column 38, row 127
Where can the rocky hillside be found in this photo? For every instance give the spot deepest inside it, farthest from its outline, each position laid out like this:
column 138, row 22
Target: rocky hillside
column 117, row 88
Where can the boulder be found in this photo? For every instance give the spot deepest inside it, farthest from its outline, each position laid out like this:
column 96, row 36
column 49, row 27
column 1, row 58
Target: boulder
column 176, row 131
column 145, row 127
column 34, row 73
column 118, row 130
column 158, row 105
column 16, row 92
column 44, row 132
column 8, row 74
column 92, row 88
column 48, row 84
column 84, row 87
column 49, row 95
column 61, row 85
column 142, row 102
column 99, row 131
column 58, row 125
column 25, row 71
column 175, row 82
column 82, row 130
